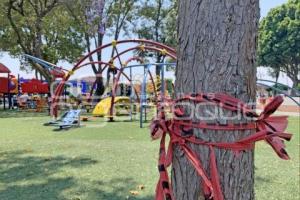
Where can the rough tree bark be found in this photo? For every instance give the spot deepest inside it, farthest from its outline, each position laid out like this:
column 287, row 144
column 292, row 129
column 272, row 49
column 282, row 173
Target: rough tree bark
column 216, row 53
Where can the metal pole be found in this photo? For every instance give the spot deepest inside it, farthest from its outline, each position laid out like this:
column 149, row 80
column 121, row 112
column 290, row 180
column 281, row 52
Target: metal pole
column 111, row 118
column 19, row 85
column 141, row 106
column 131, row 95
column 4, row 101
column 162, row 82
column 143, row 96
column 8, row 91
column 141, row 101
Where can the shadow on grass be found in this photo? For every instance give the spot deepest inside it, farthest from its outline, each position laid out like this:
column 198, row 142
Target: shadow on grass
column 259, row 180
column 16, row 166
column 27, row 177
column 119, row 189
column 30, row 177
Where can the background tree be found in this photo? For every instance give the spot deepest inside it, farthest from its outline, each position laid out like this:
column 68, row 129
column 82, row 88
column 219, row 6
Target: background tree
column 90, row 16
column 100, row 18
column 120, row 18
column 217, row 53
column 279, row 40
column 39, row 28
column 157, row 21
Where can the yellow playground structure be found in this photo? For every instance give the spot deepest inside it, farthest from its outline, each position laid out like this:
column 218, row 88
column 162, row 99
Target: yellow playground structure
column 121, row 106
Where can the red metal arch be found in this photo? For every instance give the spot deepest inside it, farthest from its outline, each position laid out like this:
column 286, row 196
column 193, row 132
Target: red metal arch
column 121, row 72
column 125, row 75
column 143, row 45
column 137, row 48
column 115, row 87
column 135, row 58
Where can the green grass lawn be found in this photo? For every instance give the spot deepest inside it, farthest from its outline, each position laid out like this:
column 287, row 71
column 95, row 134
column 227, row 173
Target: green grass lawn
column 106, row 161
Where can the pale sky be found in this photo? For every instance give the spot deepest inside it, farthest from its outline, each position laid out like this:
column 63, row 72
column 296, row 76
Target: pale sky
column 14, row 64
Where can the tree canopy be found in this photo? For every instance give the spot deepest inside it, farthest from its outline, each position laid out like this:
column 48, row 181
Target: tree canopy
column 39, row 28
column 99, row 18
column 279, row 40
column 157, row 21
column 59, row 29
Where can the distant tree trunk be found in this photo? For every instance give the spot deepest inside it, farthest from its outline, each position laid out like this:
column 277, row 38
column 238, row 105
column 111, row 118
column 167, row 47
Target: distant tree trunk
column 157, row 26
column 217, row 53
column 100, row 88
column 295, row 87
column 276, row 80
column 296, row 82
column 158, row 67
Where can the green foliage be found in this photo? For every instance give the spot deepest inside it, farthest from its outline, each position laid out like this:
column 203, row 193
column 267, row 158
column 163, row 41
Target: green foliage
column 169, row 87
column 157, row 21
column 40, row 28
column 158, row 83
column 59, row 30
column 63, row 41
column 112, row 18
column 279, row 39
column 120, row 17
column 117, row 16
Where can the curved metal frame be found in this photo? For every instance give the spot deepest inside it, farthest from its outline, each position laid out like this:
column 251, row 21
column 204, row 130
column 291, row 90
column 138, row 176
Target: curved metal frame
column 143, row 101
column 139, row 59
column 278, row 90
column 134, row 58
column 268, row 81
column 144, row 84
column 143, row 45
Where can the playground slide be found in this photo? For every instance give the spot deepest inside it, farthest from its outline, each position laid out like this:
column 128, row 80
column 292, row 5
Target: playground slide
column 102, row 108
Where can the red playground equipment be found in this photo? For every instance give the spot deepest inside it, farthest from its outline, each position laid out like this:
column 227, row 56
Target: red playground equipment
column 35, row 86
column 7, row 85
column 11, row 88
column 135, row 45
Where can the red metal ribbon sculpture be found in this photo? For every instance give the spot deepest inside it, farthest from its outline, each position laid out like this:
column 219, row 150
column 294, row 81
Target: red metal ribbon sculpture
column 269, row 128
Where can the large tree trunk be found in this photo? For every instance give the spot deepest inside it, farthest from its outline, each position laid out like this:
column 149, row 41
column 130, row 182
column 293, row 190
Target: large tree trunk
column 216, row 53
